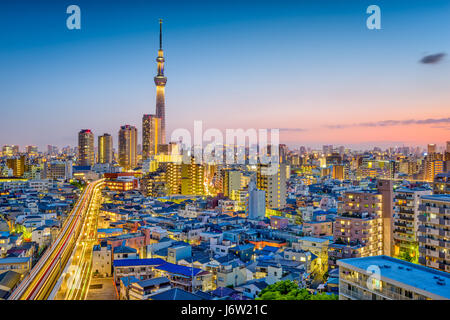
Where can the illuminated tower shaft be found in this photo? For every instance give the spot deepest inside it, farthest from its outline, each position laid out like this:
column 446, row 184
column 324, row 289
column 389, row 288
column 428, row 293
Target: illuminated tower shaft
column 160, row 82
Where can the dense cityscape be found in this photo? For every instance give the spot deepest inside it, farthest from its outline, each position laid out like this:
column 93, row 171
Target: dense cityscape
column 134, row 220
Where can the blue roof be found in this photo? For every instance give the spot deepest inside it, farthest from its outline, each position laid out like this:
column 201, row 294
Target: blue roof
column 14, row 260
column 437, row 197
column 110, row 230
column 138, row 262
column 243, row 247
column 270, row 249
column 313, row 239
column 153, row 282
column 417, row 276
column 128, row 280
column 81, row 168
column 177, row 269
column 175, row 294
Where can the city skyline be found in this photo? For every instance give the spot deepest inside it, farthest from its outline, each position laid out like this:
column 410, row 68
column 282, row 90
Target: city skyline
column 106, row 69
column 299, row 152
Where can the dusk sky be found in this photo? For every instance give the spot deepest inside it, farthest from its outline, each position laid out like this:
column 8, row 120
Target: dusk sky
column 310, row 68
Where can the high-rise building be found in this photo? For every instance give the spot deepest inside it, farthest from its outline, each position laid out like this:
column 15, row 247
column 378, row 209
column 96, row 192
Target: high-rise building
column 448, row 147
column 192, row 178
column 31, row 150
column 105, row 148
column 160, row 82
column 434, row 231
column 338, row 172
column 273, row 184
column 17, row 164
column 433, row 168
column 10, row 150
column 431, row 148
column 406, row 205
column 231, row 180
column 396, row 280
column 385, row 188
column 256, row 202
column 173, row 178
column 359, row 222
column 128, row 147
column 86, row 148
column 58, row 169
column 151, row 135
column 441, row 184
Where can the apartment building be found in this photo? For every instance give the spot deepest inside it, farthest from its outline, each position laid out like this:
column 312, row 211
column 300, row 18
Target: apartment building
column 387, row 278
column 406, row 205
column 434, row 231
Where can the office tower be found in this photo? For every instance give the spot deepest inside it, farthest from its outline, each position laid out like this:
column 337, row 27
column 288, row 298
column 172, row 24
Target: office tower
column 447, row 149
column 160, row 82
column 406, row 206
column 231, row 180
column 256, row 202
column 105, row 148
column 327, row 149
column 434, row 231
column 151, row 135
column 31, row 150
column 128, row 147
column 52, row 150
column 283, row 152
column 431, row 148
column 85, row 148
column 10, row 150
column 273, row 184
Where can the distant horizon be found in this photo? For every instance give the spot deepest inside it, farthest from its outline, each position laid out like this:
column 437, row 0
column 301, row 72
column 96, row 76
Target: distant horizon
column 383, row 146
column 310, row 68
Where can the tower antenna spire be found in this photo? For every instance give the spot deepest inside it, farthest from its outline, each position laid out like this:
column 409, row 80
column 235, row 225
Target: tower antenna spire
column 160, row 34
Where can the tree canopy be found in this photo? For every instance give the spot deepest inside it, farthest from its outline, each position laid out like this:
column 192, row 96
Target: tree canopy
column 289, row 290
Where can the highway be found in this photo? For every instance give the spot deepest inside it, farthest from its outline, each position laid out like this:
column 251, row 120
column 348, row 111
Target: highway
column 43, row 277
column 75, row 282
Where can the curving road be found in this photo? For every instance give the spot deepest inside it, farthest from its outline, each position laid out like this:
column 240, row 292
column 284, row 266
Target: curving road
column 41, row 280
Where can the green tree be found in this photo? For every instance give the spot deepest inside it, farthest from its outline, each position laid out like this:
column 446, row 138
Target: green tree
column 289, row 290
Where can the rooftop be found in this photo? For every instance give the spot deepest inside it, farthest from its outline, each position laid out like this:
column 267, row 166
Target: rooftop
column 408, row 273
column 138, row 262
column 438, row 197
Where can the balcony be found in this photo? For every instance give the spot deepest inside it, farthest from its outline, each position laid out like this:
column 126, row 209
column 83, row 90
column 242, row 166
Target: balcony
column 444, row 233
column 432, row 264
column 405, row 217
column 444, row 244
column 432, row 242
column 432, row 253
column 422, row 228
column 367, row 295
column 434, row 221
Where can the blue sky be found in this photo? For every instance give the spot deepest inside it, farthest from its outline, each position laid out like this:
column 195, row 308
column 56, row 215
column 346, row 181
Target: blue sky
column 304, row 65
